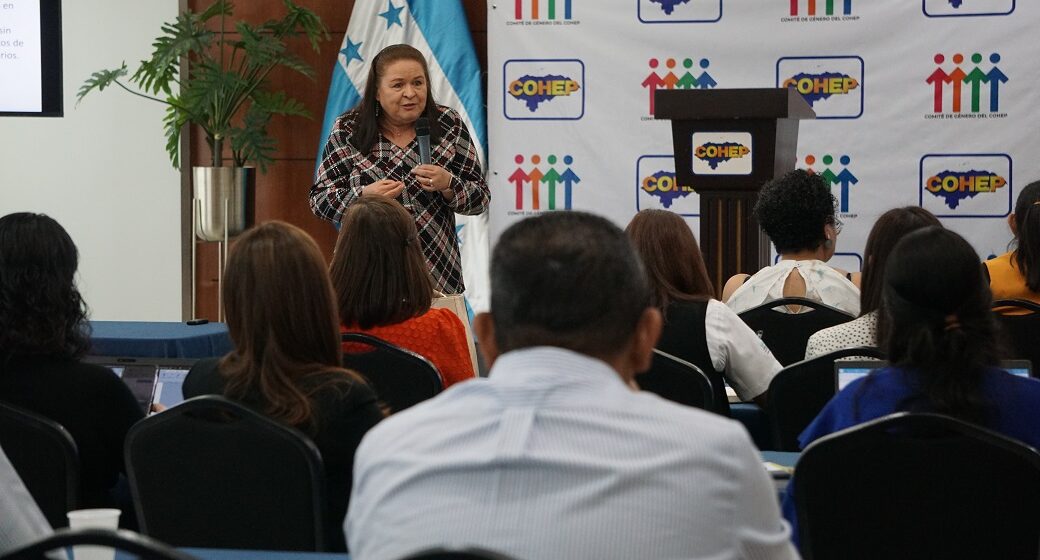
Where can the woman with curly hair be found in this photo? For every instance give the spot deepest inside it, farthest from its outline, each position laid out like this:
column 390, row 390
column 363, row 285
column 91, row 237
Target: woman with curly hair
column 43, row 333
column 797, row 213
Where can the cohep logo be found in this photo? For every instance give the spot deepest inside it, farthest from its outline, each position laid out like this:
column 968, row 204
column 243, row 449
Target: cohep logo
column 679, row 11
column 722, row 153
column 543, row 89
column 669, row 78
column 832, row 85
column 966, row 185
column 543, row 12
column 843, row 178
column 558, row 179
column 950, row 86
column 967, row 8
column 819, row 10
column 656, row 187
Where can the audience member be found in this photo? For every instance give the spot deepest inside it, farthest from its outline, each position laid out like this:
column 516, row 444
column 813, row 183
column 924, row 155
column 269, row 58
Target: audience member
column 383, row 288
column 554, row 456
column 1016, row 274
column 21, row 521
column 287, row 361
column 889, row 228
column 697, row 327
column 43, row 333
column 797, row 213
column 940, row 337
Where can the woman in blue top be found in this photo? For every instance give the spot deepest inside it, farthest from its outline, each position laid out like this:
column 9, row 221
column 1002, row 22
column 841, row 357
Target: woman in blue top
column 940, row 336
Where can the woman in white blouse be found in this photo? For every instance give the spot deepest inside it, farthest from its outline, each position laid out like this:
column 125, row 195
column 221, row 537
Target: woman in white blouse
column 889, row 228
column 796, row 211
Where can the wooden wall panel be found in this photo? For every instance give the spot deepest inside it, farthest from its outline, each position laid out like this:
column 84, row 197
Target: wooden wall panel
column 281, row 193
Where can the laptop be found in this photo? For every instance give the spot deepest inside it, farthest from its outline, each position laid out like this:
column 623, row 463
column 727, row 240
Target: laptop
column 847, row 371
column 150, row 380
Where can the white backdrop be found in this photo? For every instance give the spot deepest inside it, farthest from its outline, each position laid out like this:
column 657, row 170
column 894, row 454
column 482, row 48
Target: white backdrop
column 912, row 96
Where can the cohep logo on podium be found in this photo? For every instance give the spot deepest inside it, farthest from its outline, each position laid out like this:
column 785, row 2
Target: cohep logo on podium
column 656, row 187
column 722, row 153
column 552, row 89
column 679, row 11
column 966, row 185
column 831, row 85
column 967, row 8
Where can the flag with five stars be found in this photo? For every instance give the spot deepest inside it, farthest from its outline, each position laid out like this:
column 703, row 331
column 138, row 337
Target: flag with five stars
column 438, row 29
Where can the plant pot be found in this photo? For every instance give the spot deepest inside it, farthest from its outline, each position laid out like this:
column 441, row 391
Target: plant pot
column 220, row 188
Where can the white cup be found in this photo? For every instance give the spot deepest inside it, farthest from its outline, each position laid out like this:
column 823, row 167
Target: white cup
column 94, row 519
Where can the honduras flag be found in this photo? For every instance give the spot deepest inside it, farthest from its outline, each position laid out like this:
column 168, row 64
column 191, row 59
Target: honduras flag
column 438, row 29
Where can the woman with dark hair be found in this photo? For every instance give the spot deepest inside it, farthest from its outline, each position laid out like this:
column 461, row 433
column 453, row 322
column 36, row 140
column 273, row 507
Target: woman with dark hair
column 287, row 362
column 797, row 213
column 889, row 228
column 383, row 288
column 43, row 334
column 698, row 328
column 374, row 150
column 940, row 337
column 1016, row 274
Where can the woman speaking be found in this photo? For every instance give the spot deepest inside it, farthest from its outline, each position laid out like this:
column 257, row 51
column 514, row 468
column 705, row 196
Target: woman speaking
column 374, row 150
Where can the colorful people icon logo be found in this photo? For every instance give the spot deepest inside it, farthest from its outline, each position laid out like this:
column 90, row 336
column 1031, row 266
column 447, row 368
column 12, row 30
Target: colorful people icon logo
column 844, row 178
column 670, row 80
column 552, row 179
column 810, row 7
column 956, row 78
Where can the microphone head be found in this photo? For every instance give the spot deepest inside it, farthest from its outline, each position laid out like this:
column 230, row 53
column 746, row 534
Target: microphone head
column 422, row 126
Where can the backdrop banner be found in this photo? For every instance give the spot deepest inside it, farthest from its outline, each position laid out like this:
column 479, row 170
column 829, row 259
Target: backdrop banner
column 930, row 103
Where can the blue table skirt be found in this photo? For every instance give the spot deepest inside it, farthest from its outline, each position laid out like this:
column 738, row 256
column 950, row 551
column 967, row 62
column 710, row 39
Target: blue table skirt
column 140, row 339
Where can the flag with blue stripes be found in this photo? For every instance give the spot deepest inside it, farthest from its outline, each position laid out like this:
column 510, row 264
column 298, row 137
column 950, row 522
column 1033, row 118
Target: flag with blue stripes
column 438, row 29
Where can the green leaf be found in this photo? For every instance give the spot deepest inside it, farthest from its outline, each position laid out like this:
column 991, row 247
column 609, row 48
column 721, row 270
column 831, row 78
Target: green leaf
column 100, row 80
column 180, row 38
column 218, row 8
column 173, row 123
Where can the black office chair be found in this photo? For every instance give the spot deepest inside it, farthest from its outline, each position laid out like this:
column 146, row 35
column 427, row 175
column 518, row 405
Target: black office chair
column 137, row 545
column 799, row 392
column 918, row 486
column 1022, row 331
column 786, row 334
column 400, row 377
column 678, row 381
column 211, row 473
column 45, row 457
column 463, row 554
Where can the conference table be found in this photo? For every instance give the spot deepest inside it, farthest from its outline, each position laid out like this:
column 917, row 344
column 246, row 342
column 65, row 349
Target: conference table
column 152, row 339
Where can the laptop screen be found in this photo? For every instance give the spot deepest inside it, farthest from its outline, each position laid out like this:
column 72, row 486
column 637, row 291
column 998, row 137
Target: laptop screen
column 168, row 386
column 848, row 371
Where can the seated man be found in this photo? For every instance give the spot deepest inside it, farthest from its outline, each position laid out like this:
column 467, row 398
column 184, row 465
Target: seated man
column 555, row 455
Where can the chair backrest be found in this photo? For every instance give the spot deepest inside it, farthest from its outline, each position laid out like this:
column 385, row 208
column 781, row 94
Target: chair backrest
column 786, row 334
column 678, row 381
column 128, row 541
column 211, row 473
column 457, row 554
column 45, row 457
column 918, row 486
column 800, row 391
column 1022, row 331
column 400, row 377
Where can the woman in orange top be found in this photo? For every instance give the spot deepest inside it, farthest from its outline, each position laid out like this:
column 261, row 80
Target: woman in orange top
column 1016, row 274
column 384, row 289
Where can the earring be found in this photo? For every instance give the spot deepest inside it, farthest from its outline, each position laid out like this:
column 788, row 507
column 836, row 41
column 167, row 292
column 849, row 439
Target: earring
column 377, row 109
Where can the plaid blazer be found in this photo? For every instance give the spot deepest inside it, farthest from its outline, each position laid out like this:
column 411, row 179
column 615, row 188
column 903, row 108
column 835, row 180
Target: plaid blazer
column 344, row 171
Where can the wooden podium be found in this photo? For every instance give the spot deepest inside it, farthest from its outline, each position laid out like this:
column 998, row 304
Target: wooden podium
column 728, row 143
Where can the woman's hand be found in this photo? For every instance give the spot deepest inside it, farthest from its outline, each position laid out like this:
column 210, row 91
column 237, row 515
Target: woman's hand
column 383, row 187
column 433, row 178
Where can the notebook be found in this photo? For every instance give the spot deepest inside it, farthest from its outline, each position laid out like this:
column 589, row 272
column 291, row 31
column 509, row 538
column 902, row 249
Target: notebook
column 847, row 371
column 150, row 380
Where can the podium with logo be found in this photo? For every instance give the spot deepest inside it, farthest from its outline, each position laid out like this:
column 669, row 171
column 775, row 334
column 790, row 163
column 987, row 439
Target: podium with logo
column 728, row 143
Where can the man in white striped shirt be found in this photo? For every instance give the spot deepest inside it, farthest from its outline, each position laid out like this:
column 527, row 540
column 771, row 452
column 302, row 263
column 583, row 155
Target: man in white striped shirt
column 554, row 455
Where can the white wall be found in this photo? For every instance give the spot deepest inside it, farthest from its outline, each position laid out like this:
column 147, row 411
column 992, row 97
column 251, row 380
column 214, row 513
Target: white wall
column 102, row 170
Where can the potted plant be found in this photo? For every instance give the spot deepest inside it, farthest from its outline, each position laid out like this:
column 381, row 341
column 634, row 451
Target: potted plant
column 224, row 91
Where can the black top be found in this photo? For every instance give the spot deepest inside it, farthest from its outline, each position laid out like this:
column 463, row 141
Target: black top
column 683, row 336
column 343, row 418
column 87, row 400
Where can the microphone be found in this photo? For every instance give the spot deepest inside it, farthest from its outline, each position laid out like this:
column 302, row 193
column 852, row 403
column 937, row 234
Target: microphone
column 422, row 134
